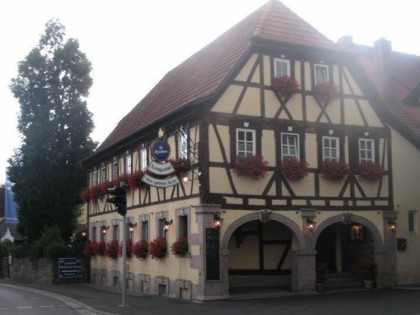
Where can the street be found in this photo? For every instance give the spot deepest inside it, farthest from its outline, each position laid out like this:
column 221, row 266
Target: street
column 88, row 299
column 21, row 300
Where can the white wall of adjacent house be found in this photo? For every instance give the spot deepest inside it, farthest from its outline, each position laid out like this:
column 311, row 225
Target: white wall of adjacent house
column 406, row 171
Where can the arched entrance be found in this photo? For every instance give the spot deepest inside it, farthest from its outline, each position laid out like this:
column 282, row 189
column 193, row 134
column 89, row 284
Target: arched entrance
column 341, row 248
column 259, row 256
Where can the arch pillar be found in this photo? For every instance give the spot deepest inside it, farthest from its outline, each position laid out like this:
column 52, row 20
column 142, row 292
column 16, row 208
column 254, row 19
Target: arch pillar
column 303, row 271
column 386, row 255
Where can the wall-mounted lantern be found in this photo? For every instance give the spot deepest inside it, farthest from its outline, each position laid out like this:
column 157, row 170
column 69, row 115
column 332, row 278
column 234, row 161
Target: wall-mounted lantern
column 310, row 224
column 132, row 226
column 166, row 224
column 356, row 232
column 392, row 225
column 104, row 229
column 217, row 221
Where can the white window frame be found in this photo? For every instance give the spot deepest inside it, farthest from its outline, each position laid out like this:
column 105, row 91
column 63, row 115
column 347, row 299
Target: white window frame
column 128, row 163
column 115, row 170
column 143, row 159
column 287, row 135
column 321, row 74
column 95, row 177
column 363, row 142
column 182, row 143
column 278, row 67
column 103, row 174
column 330, row 148
column 245, row 151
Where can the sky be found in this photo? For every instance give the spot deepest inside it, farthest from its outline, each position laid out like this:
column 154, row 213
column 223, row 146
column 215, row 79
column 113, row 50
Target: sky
column 132, row 44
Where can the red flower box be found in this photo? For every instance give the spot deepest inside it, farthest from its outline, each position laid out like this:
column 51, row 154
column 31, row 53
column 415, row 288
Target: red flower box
column 181, row 165
column 285, row 86
column 370, row 171
column 325, row 92
column 293, row 169
column 141, row 249
column 334, row 170
column 252, row 166
column 158, row 248
column 180, row 246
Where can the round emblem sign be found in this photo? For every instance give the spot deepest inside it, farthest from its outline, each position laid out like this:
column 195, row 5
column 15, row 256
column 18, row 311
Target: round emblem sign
column 160, row 150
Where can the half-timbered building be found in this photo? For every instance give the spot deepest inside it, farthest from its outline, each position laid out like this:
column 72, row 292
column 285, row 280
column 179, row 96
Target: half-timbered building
column 283, row 155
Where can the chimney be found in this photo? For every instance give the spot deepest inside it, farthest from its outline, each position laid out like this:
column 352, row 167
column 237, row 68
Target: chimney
column 382, row 58
column 345, row 41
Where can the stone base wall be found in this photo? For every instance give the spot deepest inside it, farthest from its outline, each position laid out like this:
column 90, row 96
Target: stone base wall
column 23, row 269
column 43, row 271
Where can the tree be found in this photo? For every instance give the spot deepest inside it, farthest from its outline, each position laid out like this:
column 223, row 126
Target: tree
column 52, row 84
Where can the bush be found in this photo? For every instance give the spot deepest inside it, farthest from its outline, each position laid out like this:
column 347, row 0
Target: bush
column 58, row 250
column 50, row 235
column 23, row 250
column 6, row 247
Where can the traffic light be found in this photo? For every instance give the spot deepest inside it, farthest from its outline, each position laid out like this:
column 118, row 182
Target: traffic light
column 118, row 198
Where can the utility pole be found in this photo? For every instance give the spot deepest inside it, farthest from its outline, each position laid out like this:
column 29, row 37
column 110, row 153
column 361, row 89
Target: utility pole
column 124, row 259
column 119, row 199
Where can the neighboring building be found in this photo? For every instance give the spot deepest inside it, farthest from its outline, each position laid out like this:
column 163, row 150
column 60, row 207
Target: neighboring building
column 8, row 215
column 397, row 78
column 220, row 106
column 10, row 204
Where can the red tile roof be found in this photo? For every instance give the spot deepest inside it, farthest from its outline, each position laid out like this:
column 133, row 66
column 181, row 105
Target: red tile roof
column 200, row 75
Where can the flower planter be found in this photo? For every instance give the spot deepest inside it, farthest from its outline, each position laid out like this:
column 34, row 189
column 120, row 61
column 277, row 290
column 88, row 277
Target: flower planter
column 284, row 86
column 293, row 169
column 180, row 247
column 370, row 171
column 141, row 249
column 325, row 92
column 252, row 166
column 158, row 248
column 334, row 170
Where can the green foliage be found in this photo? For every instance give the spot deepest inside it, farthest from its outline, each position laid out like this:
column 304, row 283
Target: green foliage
column 6, row 247
column 56, row 250
column 52, row 84
column 50, row 236
column 23, row 250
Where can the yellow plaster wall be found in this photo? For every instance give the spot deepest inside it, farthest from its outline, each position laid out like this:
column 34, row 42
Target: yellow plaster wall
column 406, row 171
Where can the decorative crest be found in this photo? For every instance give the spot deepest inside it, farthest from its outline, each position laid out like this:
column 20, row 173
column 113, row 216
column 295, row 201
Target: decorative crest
column 347, row 217
column 265, row 215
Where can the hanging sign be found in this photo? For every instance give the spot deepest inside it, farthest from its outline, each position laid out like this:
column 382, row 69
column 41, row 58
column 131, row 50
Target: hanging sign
column 157, row 182
column 160, row 150
column 161, row 168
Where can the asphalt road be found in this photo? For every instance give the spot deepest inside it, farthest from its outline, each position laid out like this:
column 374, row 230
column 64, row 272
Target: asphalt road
column 96, row 300
column 16, row 300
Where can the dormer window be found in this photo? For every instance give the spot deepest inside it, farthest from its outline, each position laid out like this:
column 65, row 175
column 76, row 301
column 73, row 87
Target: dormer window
column 281, row 67
column 321, row 74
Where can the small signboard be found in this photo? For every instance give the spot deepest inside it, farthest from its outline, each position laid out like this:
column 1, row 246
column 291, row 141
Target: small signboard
column 160, row 150
column 69, row 268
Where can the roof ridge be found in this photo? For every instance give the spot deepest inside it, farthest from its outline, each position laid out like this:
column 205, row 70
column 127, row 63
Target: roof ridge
column 267, row 8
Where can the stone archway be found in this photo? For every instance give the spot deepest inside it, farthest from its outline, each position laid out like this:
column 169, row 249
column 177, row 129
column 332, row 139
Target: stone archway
column 292, row 227
column 377, row 247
